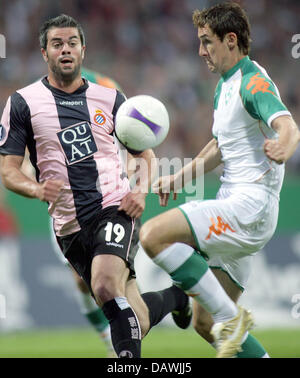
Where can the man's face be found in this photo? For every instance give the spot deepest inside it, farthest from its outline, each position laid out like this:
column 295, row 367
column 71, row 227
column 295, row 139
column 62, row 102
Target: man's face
column 64, row 53
column 213, row 50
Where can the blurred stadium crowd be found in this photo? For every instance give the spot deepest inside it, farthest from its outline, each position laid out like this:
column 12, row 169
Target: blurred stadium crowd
column 151, row 47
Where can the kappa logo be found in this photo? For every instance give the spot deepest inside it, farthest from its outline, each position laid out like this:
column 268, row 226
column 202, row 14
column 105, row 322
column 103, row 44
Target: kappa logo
column 192, row 295
column 77, row 142
column 259, row 84
column 218, row 228
column 99, row 118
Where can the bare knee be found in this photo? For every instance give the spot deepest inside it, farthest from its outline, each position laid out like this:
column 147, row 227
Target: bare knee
column 105, row 289
column 109, row 276
column 149, row 238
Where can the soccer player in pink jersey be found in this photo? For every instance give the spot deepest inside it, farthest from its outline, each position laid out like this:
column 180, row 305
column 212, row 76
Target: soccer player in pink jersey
column 67, row 124
column 88, row 307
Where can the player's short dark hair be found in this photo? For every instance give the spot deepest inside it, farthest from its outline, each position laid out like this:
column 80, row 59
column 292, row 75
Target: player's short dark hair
column 61, row 21
column 226, row 18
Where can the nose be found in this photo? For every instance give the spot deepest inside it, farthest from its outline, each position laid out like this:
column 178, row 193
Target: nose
column 65, row 49
column 202, row 51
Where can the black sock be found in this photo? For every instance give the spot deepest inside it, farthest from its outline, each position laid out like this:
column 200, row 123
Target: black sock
column 160, row 303
column 124, row 327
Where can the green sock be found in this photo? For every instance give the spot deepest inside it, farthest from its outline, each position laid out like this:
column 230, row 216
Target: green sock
column 251, row 348
column 189, row 273
column 189, row 270
column 97, row 319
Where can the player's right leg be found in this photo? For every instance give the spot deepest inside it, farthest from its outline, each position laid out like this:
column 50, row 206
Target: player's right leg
column 93, row 313
column 131, row 315
column 109, row 275
column 162, row 238
column 203, row 322
column 88, row 307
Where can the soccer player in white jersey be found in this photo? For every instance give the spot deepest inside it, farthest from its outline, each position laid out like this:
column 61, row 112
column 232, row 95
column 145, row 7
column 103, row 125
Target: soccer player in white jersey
column 67, row 124
column 206, row 246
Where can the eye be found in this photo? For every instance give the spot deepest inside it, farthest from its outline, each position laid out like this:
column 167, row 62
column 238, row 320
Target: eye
column 73, row 43
column 57, row 45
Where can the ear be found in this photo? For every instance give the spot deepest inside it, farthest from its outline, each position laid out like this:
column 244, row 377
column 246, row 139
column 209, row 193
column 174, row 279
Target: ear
column 45, row 55
column 83, row 52
column 231, row 39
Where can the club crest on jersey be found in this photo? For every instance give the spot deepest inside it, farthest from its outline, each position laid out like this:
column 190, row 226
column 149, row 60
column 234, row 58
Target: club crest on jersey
column 77, row 142
column 99, row 118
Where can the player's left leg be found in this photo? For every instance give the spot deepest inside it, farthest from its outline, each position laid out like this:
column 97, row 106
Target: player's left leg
column 152, row 307
column 87, row 305
column 93, row 313
column 129, row 315
column 203, row 322
column 162, row 238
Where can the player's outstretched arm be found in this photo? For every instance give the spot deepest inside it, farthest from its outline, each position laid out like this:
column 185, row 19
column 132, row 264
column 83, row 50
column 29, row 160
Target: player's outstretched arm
column 15, row 180
column 282, row 149
column 209, row 158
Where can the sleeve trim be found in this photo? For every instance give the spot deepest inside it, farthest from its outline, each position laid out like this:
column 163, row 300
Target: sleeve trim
column 276, row 115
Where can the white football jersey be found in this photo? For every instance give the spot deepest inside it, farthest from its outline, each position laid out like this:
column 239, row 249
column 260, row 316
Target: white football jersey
column 246, row 101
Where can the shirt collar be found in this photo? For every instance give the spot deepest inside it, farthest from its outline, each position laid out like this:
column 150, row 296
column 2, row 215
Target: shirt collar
column 235, row 68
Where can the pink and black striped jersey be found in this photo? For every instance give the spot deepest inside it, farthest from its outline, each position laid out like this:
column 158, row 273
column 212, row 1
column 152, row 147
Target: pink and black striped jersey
column 69, row 138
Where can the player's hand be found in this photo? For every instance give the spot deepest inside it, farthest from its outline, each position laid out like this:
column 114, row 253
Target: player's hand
column 163, row 187
column 133, row 204
column 49, row 190
column 274, row 151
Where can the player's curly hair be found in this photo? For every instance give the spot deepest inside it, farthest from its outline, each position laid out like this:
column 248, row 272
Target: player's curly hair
column 226, row 18
column 61, row 21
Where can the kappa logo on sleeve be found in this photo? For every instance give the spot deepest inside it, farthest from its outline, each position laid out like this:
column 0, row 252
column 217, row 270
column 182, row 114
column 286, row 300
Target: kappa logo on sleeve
column 259, row 84
column 77, row 142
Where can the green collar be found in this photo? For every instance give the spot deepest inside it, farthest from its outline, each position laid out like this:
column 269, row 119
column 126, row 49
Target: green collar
column 235, row 68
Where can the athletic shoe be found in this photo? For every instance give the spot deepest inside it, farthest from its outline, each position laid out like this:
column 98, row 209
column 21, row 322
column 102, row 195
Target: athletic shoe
column 182, row 318
column 229, row 335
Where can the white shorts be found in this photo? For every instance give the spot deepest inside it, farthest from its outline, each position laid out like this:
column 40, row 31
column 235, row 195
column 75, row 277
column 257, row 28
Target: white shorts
column 231, row 228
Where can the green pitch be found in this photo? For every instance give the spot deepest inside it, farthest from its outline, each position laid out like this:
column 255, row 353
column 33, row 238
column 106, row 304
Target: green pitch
column 161, row 342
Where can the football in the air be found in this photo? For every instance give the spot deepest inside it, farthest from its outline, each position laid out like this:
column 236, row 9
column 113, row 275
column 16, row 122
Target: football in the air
column 141, row 122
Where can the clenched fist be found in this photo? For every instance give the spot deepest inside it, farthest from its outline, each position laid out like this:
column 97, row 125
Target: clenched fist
column 49, row 190
column 275, row 151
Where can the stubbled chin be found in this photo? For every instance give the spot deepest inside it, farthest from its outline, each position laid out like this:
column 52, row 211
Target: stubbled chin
column 211, row 67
